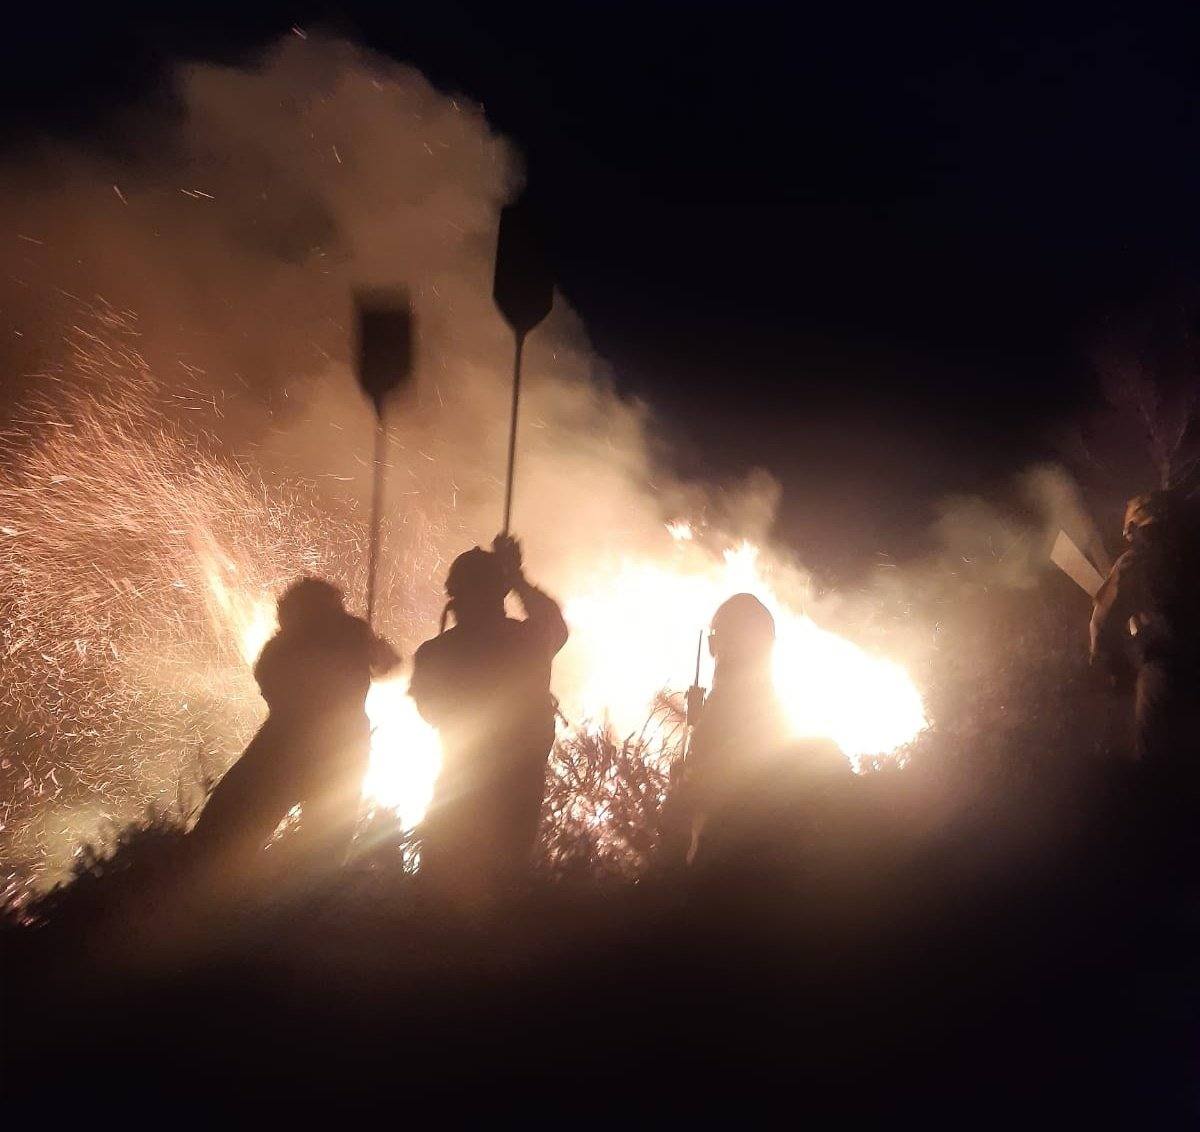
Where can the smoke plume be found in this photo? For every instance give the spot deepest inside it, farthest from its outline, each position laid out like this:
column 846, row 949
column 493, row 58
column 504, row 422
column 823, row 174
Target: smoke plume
column 185, row 287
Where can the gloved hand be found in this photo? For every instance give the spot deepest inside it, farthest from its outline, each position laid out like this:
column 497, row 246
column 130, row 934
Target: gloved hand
column 385, row 659
column 508, row 554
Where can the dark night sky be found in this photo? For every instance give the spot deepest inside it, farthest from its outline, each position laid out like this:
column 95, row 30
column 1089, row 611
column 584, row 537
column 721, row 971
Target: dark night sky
column 867, row 248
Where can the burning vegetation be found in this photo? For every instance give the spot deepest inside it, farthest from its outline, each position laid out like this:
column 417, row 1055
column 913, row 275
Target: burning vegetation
column 184, row 437
column 140, row 569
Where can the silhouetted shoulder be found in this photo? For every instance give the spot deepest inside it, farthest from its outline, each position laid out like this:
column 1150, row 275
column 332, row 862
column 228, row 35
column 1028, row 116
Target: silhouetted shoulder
column 271, row 669
column 1126, row 564
column 428, row 685
column 359, row 627
column 425, row 658
column 543, row 625
column 1122, row 578
column 436, row 647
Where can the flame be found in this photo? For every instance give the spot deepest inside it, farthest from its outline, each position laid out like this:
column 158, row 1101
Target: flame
column 140, row 569
column 249, row 618
column 635, row 630
column 405, row 754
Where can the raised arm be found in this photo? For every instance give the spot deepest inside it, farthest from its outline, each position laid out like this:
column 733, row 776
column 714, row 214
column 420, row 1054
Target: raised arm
column 543, row 614
column 1116, row 602
column 382, row 657
column 385, row 658
column 271, row 671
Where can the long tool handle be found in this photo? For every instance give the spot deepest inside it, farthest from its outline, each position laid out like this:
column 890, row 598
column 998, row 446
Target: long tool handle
column 694, row 701
column 512, row 432
column 376, row 517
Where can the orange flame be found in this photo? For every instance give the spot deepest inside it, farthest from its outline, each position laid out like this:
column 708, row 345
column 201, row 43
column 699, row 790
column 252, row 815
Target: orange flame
column 634, row 630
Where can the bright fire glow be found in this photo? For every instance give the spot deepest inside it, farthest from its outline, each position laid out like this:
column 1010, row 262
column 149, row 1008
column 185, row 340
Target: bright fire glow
column 634, row 632
column 405, row 755
column 138, row 575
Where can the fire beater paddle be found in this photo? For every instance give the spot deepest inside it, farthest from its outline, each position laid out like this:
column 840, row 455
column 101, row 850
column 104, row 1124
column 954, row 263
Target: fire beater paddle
column 384, row 365
column 524, row 293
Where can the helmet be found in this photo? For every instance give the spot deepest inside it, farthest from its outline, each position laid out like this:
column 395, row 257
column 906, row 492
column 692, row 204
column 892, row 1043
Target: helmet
column 476, row 574
column 742, row 627
column 308, row 599
column 1146, row 510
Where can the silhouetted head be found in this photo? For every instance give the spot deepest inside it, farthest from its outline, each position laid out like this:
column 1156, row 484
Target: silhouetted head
column 309, row 600
column 476, row 586
column 743, row 633
column 1145, row 514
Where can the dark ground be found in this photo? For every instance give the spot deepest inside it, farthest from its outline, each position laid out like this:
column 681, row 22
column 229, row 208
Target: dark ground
column 1033, row 958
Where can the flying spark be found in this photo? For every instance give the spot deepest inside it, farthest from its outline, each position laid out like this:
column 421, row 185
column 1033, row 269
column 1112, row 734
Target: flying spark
column 138, row 574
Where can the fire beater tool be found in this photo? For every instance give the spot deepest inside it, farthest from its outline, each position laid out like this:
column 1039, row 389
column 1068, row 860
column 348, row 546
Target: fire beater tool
column 524, row 293
column 385, row 347
column 1075, row 564
column 694, row 701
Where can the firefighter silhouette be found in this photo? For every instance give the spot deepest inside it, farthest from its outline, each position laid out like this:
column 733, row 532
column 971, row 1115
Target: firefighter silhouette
column 1146, row 623
column 484, row 683
column 312, row 750
column 744, row 769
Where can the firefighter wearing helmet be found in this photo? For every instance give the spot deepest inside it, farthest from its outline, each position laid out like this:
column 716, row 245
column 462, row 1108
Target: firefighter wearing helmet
column 312, row 751
column 1146, row 622
column 742, row 749
column 484, row 683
